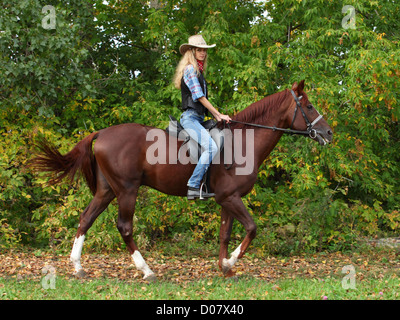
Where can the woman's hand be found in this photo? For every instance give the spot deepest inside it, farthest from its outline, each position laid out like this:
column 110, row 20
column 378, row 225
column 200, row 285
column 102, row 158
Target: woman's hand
column 221, row 117
column 218, row 116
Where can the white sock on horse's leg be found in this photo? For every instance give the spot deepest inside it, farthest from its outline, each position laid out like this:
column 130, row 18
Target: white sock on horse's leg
column 142, row 266
column 76, row 253
column 229, row 263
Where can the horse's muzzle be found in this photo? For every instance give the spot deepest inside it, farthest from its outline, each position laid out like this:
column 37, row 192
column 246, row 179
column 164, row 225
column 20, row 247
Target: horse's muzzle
column 323, row 137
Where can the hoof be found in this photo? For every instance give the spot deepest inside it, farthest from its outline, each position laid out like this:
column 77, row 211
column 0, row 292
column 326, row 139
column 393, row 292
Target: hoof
column 230, row 274
column 80, row 274
column 151, row 278
column 226, row 267
column 225, row 270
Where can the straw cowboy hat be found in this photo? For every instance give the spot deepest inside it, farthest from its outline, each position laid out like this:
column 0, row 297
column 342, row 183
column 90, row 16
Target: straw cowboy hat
column 196, row 41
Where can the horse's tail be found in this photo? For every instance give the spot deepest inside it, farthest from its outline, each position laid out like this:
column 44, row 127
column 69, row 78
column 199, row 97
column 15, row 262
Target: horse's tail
column 81, row 158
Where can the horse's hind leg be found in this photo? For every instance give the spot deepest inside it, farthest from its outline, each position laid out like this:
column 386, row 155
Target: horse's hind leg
column 99, row 203
column 126, row 203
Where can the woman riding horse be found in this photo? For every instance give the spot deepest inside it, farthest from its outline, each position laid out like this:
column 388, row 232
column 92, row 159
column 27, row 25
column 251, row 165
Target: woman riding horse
column 189, row 77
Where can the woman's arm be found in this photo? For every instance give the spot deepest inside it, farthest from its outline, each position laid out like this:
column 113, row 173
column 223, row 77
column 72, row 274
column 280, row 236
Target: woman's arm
column 204, row 101
column 192, row 82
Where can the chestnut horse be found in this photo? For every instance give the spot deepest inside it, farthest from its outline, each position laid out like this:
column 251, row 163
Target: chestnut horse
column 117, row 166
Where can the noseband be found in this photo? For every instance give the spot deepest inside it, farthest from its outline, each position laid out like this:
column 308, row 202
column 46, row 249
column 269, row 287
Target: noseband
column 312, row 133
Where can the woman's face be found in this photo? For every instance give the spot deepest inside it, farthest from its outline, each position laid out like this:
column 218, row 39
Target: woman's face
column 200, row 54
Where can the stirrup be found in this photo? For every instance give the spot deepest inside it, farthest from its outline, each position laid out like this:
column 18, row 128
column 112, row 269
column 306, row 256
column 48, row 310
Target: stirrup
column 201, row 190
column 208, row 194
column 199, row 194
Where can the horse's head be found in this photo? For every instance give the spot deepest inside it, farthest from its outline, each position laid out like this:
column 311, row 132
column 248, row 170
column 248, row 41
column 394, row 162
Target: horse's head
column 303, row 116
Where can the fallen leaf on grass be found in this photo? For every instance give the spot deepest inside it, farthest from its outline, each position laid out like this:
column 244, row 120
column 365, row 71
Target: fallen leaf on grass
column 25, row 265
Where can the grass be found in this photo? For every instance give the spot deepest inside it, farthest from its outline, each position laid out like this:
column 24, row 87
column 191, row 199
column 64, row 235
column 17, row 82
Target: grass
column 244, row 288
column 195, row 276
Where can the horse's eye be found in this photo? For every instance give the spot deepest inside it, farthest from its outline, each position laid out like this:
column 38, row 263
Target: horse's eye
column 310, row 106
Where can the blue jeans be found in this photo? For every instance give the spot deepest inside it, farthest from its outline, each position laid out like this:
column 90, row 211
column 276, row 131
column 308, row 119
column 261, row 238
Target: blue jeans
column 191, row 121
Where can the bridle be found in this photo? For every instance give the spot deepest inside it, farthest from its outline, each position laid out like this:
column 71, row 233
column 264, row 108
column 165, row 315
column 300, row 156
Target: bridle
column 311, row 132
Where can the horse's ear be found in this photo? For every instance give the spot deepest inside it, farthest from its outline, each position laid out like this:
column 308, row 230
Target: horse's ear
column 300, row 87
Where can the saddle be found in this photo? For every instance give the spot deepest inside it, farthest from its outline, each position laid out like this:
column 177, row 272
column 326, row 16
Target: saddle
column 190, row 147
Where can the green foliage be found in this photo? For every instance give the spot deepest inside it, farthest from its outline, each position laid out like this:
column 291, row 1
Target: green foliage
column 42, row 68
column 112, row 62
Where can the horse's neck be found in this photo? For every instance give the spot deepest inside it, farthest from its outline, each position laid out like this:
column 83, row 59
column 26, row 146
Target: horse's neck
column 265, row 141
column 262, row 140
column 267, row 109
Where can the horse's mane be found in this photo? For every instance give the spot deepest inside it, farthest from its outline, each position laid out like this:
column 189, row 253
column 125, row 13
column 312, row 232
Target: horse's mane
column 259, row 112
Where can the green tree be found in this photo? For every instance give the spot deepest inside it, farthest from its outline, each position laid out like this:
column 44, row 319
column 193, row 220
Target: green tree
column 109, row 62
column 42, row 68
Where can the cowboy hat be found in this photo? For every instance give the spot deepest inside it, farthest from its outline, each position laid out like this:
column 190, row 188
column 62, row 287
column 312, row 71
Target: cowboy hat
column 196, row 41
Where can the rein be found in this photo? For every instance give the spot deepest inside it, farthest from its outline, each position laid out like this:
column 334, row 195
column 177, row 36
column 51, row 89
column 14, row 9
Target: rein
column 290, row 131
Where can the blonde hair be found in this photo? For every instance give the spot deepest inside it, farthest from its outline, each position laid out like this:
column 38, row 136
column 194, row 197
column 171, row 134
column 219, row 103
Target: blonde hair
column 187, row 59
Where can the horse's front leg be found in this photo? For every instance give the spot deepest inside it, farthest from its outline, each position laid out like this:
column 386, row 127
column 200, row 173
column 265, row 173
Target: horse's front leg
column 235, row 208
column 224, row 237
